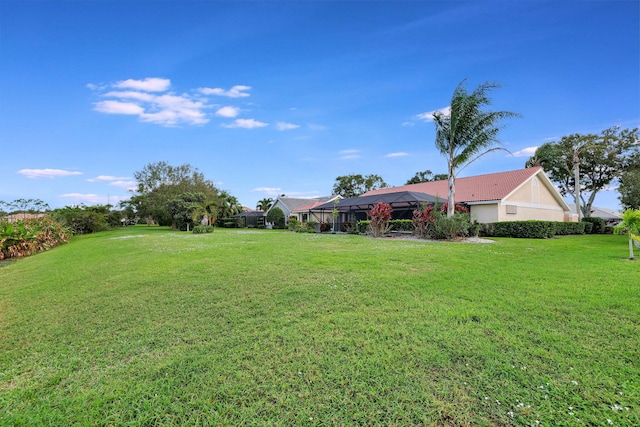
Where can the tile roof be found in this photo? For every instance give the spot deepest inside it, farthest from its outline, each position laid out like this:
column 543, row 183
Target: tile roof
column 479, row 188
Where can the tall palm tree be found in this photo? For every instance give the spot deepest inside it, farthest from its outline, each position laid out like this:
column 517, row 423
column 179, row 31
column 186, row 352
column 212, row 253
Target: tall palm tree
column 630, row 224
column 465, row 132
column 264, row 204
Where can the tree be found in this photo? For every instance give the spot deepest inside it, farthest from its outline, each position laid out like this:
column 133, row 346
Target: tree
column 160, row 183
column 629, row 188
column 595, row 159
column 426, row 176
column 467, row 132
column 207, row 209
column 228, row 205
column 264, row 204
column 355, row 185
column 276, row 217
column 182, row 207
column 630, row 225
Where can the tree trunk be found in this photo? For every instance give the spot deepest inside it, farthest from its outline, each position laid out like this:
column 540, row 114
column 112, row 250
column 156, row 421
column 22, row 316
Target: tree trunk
column 451, row 204
column 631, row 248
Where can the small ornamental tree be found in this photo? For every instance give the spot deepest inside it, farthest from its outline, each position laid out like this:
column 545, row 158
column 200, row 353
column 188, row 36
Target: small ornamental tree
column 276, row 217
column 630, row 225
column 380, row 216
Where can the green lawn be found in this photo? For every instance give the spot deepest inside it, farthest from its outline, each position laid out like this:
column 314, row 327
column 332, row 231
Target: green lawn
column 146, row 326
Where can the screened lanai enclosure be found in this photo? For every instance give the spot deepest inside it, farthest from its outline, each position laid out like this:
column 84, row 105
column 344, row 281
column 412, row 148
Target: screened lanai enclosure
column 354, row 209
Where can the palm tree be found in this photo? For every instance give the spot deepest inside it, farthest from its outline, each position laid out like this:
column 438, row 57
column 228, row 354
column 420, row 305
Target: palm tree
column 465, row 132
column 208, row 209
column 630, row 224
column 264, row 204
column 229, row 205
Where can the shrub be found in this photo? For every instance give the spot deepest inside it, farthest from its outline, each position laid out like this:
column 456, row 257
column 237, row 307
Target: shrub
column 567, row 228
column 380, row 216
column 401, row 225
column 347, row 227
column 598, row 224
column 520, row 229
column 588, row 227
column 325, row 227
column 293, row 224
column 201, row 229
column 362, row 226
column 23, row 238
column 433, row 223
column 276, row 217
column 608, row 229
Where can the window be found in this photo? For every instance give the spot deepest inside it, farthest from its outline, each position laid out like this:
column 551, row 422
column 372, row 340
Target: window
column 512, row 209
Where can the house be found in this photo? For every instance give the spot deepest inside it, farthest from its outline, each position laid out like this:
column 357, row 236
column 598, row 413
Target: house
column 312, row 212
column 290, row 204
column 251, row 218
column 610, row 217
column 354, row 209
column 524, row 194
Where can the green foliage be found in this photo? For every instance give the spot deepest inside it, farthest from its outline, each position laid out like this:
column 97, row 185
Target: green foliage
column 432, row 222
column 363, row 226
column 159, row 183
column 276, row 217
column 325, row 227
column 520, row 229
column 588, row 227
column 467, row 131
column 82, row 219
column 629, row 187
column 264, row 204
column 630, row 226
column 24, row 238
column 568, row 228
column 426, row 176
column 401, row 225
column 601, row 159
column 356, row 185
column 181, row 209
column 202, row 229
column 597, row 227
column 293, row 224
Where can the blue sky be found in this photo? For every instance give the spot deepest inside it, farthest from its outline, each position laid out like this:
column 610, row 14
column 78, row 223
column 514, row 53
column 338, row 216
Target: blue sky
column 273, row 97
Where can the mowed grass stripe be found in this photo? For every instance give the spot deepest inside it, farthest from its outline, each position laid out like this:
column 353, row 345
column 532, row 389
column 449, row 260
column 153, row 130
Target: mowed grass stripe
column 146, row 326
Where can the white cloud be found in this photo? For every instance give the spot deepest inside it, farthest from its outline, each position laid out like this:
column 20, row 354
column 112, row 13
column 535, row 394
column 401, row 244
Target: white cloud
column 150, row 84
column 350, row 151
column 428, row 116
column 46, row 173
column 270, row 191
column 118, row 107
column 128, row 185
column 106, row 178
column 351, row 156
column 238, row 91
column 286, row 126
column 246, row 124
column 398, row 154
column 228, row 111
column 525, row 152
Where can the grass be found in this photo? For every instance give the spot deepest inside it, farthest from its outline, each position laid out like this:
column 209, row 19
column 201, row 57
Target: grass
column 145, row 326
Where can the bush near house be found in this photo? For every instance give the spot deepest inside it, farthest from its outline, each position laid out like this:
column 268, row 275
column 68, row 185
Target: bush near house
column 598, row 225
column 533, row 229
column 276, row 217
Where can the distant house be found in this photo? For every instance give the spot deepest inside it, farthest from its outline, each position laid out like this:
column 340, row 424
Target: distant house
column 290, row 204
column 524, row 194
column 251, row 218
column 311, row 211
column 609, row 216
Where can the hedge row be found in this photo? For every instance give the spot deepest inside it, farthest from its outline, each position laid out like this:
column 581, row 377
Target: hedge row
column 534, row 229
